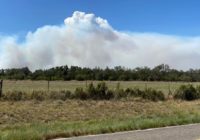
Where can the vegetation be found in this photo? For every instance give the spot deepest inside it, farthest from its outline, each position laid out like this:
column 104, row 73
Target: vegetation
column 100, row 92
column 159, row 73
column 187, row 92
column 29, row 86
column 93, row 108
column 23, row 119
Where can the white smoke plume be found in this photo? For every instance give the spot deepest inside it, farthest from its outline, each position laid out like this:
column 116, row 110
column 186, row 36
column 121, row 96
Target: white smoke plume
column 89, row 41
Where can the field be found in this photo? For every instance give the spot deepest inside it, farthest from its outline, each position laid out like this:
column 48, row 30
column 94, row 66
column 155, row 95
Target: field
column 29, row 86
column 37, row 120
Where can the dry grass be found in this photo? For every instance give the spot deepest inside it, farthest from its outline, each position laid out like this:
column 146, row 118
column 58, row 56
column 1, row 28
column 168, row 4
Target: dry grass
column 29, row 86
column 75, row 110
column 23, row 119
column 34, row 119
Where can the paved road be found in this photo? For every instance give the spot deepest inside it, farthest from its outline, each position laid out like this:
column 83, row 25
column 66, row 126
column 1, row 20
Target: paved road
column 187, row 132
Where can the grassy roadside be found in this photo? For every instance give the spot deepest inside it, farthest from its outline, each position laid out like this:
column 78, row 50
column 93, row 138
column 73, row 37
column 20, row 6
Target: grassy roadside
column 40, row 131
column 52, row 119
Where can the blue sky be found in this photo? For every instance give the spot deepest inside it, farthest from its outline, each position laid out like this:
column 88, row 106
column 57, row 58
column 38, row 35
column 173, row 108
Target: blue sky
column 174, row 17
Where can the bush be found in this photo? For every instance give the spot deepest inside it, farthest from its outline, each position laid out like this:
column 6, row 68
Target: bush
column 136, row 92
column 15, row 96
column 80, row 94
column 153, row 95
column 101, row 91
column 61, row 95
column 109, row 95
column 198, row 91
column 91, row 90
column 120, row 93
column 39, row 95
column 187, row 92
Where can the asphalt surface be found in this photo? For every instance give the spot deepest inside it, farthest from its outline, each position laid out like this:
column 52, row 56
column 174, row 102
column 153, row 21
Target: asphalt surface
column 186, row 132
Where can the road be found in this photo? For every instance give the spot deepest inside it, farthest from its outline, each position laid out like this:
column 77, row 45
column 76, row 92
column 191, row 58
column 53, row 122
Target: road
column 185, row 132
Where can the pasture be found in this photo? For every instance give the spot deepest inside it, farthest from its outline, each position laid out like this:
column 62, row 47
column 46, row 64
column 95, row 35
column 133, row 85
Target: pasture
column 46, row 119
column 29, row 86
column 35, row 120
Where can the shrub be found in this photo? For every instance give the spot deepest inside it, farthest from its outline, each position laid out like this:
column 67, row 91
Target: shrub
column 61, row 95
column 187, row 92
column 39, row 95
column 80, row 94
column 101, row 91
column 120, row 93
column 109, row 95
column 149, row 94
column 66, row 94
column 91, row 90
column 198, row 91
column 136, row 92
column 15, row 96
column 153, row 95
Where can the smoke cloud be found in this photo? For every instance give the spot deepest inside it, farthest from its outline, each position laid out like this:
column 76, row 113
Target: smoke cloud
column 89, row 41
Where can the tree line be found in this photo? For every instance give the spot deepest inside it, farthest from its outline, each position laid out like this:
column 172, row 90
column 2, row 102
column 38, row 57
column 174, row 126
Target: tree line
column 159, row 73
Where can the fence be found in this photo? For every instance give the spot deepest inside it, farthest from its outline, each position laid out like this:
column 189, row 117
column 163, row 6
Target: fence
column 1, row 87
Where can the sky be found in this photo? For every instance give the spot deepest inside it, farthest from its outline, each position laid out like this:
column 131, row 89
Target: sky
column 176, row 17
column 90, row 33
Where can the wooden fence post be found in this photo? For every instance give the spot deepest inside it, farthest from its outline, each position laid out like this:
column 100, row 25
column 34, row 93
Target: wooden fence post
column 48, row 82
column 1, row 88
column 86, row 83
column 48, row 86
column 145, row 85
column 169, row 87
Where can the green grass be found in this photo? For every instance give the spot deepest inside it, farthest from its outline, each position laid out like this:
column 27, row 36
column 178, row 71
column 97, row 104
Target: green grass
column 62, row 129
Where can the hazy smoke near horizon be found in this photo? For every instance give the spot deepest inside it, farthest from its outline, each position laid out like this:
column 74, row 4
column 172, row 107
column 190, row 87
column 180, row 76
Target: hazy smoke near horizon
column 89, row 41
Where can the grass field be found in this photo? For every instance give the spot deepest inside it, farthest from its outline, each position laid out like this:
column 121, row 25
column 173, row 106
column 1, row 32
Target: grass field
column 37, row 120
column 29, row 86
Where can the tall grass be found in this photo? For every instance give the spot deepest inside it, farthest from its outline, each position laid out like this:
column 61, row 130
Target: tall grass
column 63, row 129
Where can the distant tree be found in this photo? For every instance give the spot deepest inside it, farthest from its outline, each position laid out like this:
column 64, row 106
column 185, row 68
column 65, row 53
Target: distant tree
column 159, row 73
